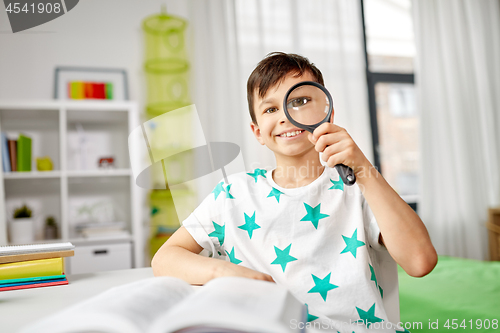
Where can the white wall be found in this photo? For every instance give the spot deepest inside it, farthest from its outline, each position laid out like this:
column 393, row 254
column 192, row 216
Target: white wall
column 96, row 33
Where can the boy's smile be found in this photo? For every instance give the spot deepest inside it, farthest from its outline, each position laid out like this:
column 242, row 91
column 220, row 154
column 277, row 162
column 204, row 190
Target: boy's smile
column 273, row 129
column 290, row 134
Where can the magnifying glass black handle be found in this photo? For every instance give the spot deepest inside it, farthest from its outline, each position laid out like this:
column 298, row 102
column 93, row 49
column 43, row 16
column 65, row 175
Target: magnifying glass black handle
column 346, row 174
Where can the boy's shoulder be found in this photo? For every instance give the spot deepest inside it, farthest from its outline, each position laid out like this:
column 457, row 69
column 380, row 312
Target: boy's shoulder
column 260, row 179
column 243, row 182
column 257, row 176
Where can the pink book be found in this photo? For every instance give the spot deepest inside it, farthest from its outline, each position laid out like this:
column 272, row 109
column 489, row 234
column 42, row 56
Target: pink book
column 35, row 285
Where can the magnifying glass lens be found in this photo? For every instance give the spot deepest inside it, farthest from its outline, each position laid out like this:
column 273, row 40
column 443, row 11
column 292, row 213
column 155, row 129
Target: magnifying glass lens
column 307, row 105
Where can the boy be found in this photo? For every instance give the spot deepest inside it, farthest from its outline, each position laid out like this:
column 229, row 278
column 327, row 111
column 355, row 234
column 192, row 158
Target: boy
column 298, row 224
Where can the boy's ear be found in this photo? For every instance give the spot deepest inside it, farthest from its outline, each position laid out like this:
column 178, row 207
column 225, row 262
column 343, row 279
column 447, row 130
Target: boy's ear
column 256, row 131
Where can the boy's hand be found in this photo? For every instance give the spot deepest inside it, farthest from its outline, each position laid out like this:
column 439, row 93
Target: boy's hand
column 338, row 147
column 230, row 269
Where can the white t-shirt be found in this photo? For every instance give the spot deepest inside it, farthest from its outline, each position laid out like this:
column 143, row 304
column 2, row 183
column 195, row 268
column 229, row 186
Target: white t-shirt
column 315, row 240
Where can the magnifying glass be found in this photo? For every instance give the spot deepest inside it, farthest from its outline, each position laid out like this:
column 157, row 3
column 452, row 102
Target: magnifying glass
column 307, row 105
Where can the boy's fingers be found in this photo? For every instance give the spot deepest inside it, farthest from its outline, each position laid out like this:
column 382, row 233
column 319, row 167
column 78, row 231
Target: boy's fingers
column 332, row 150
column 335, row 159
column 326, row 128
column 327, row 140
column 312, row 138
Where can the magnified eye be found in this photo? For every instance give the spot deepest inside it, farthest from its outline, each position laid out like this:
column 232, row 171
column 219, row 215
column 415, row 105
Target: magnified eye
column 298, row 102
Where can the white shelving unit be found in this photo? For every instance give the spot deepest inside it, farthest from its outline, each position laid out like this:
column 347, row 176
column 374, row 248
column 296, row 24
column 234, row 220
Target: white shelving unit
column 56, row 131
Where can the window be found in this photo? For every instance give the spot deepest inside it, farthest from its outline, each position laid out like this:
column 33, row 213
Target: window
column 389, row 35
column 390, row 51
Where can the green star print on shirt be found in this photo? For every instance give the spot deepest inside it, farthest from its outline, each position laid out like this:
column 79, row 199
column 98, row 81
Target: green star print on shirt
column 275, row 193
column 352, row 243
column 313, row 214
column 226, row 190
column 373, row 277
column 218, row 232
column 368, row 317
column 337, row 185
column 322, row 286
column 220, row 189
column 310, row 317
column 283, row 257
column 249, row 225
column 232, row 257
column 258, row 172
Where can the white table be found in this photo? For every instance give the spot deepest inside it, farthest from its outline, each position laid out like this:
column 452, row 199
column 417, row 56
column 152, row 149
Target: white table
column 20, row 308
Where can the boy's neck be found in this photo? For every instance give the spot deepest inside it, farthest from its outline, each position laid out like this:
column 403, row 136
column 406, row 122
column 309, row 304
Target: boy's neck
column 292, row 172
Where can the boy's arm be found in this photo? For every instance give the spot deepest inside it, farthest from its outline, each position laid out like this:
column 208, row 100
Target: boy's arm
column 403, row 233
column 179, row 257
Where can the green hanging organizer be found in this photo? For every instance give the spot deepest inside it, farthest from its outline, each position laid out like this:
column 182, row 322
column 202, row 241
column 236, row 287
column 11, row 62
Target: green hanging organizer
column 166, row 64
column 167, row 75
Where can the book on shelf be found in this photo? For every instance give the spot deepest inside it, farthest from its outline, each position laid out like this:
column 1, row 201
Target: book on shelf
column 5, row 153
column 23, row 153
column 12, row 154
column 32, row 268
column 167, row 304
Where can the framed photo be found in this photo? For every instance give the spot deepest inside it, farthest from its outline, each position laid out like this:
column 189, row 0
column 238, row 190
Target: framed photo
column 78, row 83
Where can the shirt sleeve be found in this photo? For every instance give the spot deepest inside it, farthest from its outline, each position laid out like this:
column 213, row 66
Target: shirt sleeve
column 371, row 227
column 206, row 225
column 199, row 232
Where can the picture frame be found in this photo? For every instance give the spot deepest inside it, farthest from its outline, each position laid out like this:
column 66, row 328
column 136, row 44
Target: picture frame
column 66, row 74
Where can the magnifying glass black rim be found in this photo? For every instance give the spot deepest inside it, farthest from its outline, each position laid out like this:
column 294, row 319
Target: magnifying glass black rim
column 309, row 128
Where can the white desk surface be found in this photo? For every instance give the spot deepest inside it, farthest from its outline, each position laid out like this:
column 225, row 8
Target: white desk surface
column 20, row 308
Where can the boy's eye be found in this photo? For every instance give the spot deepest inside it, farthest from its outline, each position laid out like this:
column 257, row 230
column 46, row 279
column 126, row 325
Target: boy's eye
column 298, row 102
column 270, row 110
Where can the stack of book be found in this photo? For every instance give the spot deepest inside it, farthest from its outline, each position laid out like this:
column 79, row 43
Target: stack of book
column 33, row 266
column 16, row 154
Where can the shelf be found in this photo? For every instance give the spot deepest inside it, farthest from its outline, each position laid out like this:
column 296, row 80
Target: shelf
column 32, row 174
column 98, row 117
column 97, row 105
column 69, row 105
column 99, row 173
column 83, row 241
column 73, row 174
column 75, row 135
column 41, row 241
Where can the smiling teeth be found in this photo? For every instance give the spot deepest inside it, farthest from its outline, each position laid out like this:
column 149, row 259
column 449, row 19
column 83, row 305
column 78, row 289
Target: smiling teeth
column 290, row 134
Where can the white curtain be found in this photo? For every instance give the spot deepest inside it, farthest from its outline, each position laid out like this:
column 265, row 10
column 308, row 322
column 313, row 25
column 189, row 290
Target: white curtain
column 458, row 82
column 231, row 37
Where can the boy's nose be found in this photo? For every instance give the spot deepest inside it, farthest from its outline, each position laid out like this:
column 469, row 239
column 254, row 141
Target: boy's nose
column 283, row 117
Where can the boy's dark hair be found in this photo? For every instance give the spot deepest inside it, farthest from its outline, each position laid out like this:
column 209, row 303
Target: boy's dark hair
column 273, row 69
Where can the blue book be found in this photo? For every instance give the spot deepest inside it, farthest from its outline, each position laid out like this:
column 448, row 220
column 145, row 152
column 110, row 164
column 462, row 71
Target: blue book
column 5, row 154
column 28, row 283
column 37, row 279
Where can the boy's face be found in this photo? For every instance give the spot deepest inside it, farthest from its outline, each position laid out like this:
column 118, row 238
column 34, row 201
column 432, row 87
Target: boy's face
column 273, row 125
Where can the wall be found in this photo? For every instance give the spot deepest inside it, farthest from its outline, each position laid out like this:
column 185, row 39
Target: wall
column 96, row 33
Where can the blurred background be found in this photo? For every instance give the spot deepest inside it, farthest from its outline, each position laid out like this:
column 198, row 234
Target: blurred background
column 416, row 84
